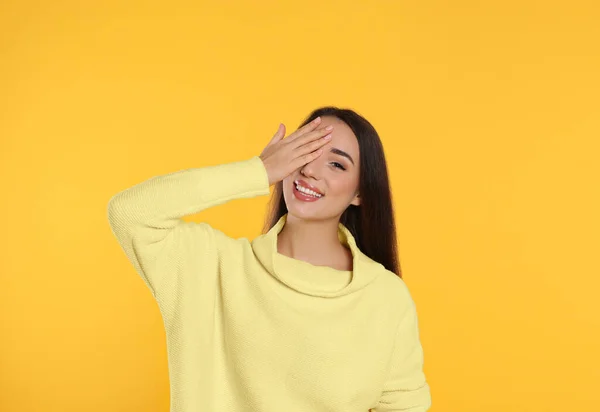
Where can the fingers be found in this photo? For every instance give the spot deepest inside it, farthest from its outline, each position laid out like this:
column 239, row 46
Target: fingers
column 278, row 135
column 314, row 135
column 304, row 159
column 312, row 149
column 305, row 129
column 313, row 145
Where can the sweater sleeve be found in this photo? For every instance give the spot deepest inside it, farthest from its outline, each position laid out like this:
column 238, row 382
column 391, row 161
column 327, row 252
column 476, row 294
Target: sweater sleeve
column 406, row 388
column 147, row 219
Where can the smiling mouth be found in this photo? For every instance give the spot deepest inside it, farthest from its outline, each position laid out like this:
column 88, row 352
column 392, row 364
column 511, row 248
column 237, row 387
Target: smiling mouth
column 307, row 192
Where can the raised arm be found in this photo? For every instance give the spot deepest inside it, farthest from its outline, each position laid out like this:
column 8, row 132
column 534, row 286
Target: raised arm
column 147, row 218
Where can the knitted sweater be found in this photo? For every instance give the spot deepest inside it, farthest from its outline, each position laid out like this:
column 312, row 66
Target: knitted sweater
column 250, row 329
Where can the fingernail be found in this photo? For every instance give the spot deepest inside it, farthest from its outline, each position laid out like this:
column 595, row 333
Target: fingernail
column 318, row 119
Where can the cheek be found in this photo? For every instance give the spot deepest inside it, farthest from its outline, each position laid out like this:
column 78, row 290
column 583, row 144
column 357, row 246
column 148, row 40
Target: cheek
column 287, row 185
column 344, row 186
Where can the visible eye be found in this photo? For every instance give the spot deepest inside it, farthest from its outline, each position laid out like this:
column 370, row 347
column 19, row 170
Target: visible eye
column 340, row 165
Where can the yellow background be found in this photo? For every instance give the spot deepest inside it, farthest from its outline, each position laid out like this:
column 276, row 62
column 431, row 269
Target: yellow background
column 490, row 117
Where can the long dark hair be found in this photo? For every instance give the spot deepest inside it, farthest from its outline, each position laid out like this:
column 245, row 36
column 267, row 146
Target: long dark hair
column 372, row 223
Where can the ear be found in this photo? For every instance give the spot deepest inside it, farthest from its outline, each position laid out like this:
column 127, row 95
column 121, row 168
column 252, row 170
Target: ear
column 356, row 200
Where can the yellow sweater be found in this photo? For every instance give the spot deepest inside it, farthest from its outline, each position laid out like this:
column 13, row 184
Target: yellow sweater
column 250, row 329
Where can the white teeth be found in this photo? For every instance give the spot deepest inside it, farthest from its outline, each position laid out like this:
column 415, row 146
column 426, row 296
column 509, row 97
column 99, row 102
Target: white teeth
column 307, row 191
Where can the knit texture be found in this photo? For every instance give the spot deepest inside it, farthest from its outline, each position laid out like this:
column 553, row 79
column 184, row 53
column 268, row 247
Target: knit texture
column 250, row 329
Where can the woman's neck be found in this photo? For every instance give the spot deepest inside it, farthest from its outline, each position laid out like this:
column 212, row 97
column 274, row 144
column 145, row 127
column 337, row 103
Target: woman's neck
column 315, row 242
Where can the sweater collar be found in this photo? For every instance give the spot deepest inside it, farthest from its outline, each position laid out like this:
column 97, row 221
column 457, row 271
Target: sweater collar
column 306, row 278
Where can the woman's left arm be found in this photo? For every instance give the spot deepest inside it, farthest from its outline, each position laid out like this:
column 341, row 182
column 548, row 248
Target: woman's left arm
column 406, row 388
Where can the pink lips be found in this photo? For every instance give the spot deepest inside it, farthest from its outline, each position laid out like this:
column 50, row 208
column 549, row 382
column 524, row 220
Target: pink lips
column 303, row 197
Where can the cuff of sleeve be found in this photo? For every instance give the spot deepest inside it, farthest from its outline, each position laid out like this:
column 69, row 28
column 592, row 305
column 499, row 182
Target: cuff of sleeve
column 259, row 178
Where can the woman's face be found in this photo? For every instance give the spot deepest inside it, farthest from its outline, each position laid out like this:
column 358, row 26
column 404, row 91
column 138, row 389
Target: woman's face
column 333, row 174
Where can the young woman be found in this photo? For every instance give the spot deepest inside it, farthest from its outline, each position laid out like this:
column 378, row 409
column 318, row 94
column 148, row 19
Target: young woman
column 310, row 316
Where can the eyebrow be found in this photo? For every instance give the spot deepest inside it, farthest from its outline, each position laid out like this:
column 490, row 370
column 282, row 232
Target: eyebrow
column 341, row 153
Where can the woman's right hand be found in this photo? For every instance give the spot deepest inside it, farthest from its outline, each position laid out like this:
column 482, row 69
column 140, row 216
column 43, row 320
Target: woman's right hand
column 282, row 156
